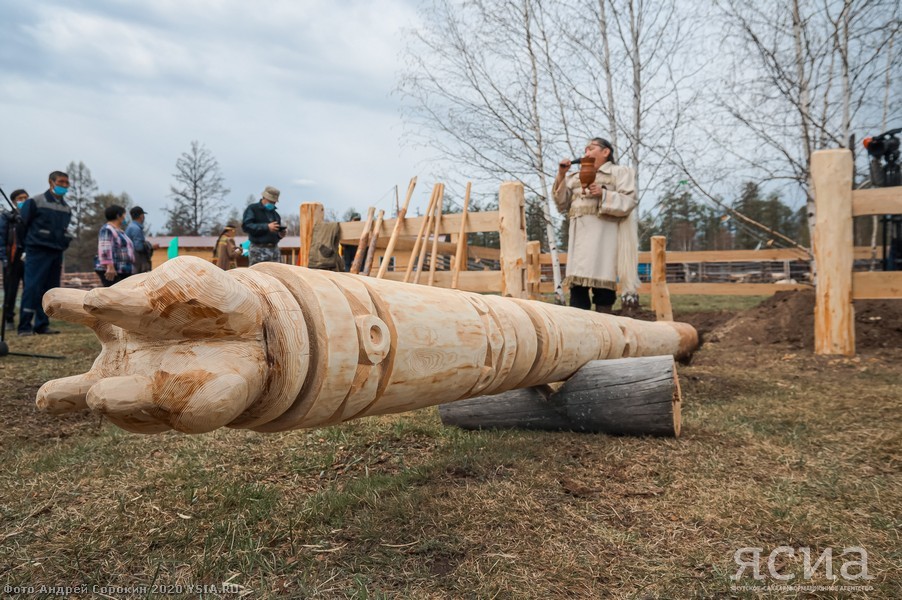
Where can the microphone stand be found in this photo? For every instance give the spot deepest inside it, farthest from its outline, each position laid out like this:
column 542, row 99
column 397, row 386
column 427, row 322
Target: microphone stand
column 4, row 347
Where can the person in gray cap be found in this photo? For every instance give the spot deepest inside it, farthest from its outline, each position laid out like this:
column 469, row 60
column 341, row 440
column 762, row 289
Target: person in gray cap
column 264, row 228
column 135, row 232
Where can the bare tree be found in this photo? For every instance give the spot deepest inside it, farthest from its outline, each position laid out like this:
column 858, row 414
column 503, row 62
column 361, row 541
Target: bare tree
column 82, row 189
column 804, row 78
column 197, row 194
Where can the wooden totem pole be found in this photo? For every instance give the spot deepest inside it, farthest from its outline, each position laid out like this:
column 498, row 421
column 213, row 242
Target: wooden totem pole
column 275, row 347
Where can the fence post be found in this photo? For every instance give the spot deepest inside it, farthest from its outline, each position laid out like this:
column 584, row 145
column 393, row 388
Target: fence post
column 512, row 230
column 659, row 293
column 533, row 268
column 311, row 214
column 834, row 315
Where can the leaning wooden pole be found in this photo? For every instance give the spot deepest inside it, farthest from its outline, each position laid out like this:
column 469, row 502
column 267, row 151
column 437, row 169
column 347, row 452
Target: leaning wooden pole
column 421, row 260
column 399, row 222
column 277, row 347
column 419, row 239
column 364, row 241
column 433, row 257
column 460, row 258
column 374, row 238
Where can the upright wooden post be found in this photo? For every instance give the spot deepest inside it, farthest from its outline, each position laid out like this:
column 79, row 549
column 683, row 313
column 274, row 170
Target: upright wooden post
column 659, row 292
column 512, row 229
column 311, row 214
column 533, row 268
column 834, row 315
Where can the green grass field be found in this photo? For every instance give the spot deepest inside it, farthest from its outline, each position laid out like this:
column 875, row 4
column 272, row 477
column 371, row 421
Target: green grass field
column 779, row 448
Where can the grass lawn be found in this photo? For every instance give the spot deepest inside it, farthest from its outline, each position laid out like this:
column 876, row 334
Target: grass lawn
column 779, row 448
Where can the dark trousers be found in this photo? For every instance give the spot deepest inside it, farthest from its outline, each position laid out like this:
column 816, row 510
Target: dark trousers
column 12, row 278
column 579, row 297
column 43, row 267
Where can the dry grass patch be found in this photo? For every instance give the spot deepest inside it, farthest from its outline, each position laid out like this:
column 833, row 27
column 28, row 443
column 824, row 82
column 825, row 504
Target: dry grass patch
column 779, row 448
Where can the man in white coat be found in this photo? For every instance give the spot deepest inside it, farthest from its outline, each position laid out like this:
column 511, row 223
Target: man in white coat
column 603, row 246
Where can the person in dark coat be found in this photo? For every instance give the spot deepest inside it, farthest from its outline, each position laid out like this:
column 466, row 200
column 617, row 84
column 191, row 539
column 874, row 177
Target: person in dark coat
column 12, row 250
column 45, row 223
column 263, row 227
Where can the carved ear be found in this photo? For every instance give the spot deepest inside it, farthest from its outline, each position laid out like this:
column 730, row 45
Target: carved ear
column 68, row 304
column 67, row 394
column 128, row 402
column 186, row 297
column 146, row 405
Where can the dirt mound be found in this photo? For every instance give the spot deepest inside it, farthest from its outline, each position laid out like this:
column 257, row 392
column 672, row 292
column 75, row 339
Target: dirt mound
column 788, row 318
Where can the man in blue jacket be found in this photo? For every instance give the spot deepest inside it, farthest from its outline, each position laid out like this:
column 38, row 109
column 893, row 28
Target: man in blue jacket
column 263, row 227
column 45, row 224
column 11, row 258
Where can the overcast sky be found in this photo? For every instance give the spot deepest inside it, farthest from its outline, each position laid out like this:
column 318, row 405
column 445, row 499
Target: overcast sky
column 295, row 94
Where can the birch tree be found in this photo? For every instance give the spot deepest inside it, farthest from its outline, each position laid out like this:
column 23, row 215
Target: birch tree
column 805, row 76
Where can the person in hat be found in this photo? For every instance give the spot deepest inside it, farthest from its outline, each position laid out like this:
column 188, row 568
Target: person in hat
column 264, row 228
column 143, row 248
column 226, row 252
column 604, row 241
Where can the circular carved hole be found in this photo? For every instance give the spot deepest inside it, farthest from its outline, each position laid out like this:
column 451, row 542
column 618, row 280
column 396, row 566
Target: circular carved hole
column 376, row 334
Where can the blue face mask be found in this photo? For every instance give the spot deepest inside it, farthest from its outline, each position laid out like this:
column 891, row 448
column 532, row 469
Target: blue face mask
column 20, row 205
column 60, row 190
column 270, row 206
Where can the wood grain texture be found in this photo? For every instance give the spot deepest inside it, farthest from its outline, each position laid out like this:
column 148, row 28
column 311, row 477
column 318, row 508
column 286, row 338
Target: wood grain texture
column 631, row 396
column 512, row 231
column 834, row 315
column 277, row 347
column 660, row 296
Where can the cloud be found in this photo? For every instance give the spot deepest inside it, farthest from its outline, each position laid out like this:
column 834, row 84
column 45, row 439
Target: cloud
column 280, row 92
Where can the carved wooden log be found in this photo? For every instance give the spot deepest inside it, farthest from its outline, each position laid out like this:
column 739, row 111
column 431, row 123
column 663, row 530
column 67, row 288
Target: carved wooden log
column 277, row 347
column 632, row 396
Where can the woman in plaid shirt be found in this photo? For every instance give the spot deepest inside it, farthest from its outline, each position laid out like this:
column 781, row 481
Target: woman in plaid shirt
column 115, row 252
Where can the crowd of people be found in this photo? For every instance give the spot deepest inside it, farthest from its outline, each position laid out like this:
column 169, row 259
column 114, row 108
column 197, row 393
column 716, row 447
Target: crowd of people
column 34, row 234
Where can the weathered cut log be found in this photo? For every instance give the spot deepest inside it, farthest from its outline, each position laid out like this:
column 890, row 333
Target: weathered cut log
column 630, row 396
column 274, row 347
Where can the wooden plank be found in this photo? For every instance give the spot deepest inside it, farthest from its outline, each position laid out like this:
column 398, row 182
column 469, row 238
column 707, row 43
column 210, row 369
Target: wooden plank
column 477, row 222
column 834, row 315
column 710, row 289
column 877, row 201
column 778, row 254
column 864, row 253
column 481, row 282
column 876, row 285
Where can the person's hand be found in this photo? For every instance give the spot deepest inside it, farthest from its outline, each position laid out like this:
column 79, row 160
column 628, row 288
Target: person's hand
column 185, row 346
column 273, row 226
column 110, row 273
column 564, row 165
column 595, row 189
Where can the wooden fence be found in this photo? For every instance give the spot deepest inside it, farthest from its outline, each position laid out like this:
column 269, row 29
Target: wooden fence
column 521, row 265
column 837, row 285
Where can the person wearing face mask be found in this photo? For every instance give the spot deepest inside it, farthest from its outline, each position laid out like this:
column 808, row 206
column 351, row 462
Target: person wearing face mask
column 115, row 251
column 11, row 258
column 45, row 224
column 263, row 227
column 604, row 241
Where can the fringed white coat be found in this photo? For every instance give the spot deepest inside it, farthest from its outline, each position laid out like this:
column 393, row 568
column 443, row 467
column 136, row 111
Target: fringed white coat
column 601, row 229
